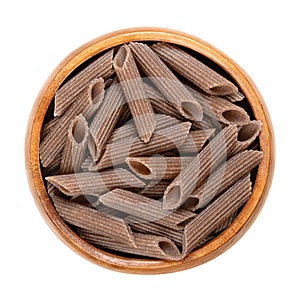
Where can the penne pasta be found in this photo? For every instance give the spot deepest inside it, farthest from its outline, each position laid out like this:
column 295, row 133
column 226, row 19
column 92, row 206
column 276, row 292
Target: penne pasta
column 227, row 174
column 162, row 106
column 154, row 189
column 135, row 94
column 89, row 200
column 210, row 218
column 142, row 226
column 94, row 182
column 166, row 81
column 146, row 245
column 238, row 96
column 157, row 167
column 75, row 146
column 86, row 163
column 163, row 140
column 216, row 152
column 145, row 208
column 129, row 130
column 221, row 109
column 48, row 127
column 110, row 110
column 195, row 141
column 147, row 152
column 67, row 93
column 53, row 168
column 247, row 135
column 86, row 105
column 125, row 116
column 194, row 70
column 94, row 221
column 227, row 222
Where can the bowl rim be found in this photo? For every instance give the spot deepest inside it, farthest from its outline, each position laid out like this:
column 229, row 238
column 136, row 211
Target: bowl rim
column 149, row 266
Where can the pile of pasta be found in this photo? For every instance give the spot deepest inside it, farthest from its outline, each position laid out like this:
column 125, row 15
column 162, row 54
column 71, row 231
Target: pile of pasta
column 149, row 151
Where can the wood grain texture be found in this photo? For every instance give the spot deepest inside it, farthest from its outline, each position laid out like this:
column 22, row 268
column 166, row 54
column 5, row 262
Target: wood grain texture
column 142, row 266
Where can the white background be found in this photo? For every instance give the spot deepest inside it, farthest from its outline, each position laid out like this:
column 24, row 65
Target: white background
column 262, row 36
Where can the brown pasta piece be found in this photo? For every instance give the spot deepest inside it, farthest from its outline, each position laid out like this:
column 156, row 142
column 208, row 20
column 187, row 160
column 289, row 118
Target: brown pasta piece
column 238, row 96
column 199, row 168
column 205, row 124
column 140, row 225
column 145, row 208
column 54, row 167
column 210, row 218
column 146, row 245
column 129, row 130
column 195, row 141
column 227, row 222
column 67, row 93
column 125, row 116
column 163, row 140
column 221, row 109
column 112, row 107
column 163, row 106
column 86, row 105
column 94, row 182
column 135, row 94
column 247, row 135
column 194, row 70
column 94, row 221
column 75, row 146
column 86, row 163
column 166, row 81
column 48, row 127
column 155, row 189
column 157, row 167
column 90, row 200
column 227, row 174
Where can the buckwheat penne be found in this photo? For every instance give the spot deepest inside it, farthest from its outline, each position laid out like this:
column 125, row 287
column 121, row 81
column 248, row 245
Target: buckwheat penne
column 86, row 163
column 247, row 135
column 210, row 218
column 86, row 105
column 154, row 189
column 227, row 222
column 194, row 70
column 144, row 208
column 94, row 182
column 163, row 106
column 66, row 94
column 129, row 130
column 157, row 167
column 163, row 140
column 146, row 245
column 140, row 225
column 94, row 221
column 110, row 110
column 135, row 93
column 227, row 174
column 125, row 116
column 215, row 153
column 75, row 146
column 48, row 127
column 238, row 96
column 195, row 141
column 53, row 168
column 221, row 109
column 166, row 81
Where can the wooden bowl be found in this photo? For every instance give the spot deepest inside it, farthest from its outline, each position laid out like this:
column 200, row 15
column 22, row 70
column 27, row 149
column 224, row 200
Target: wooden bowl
column 149, row 266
